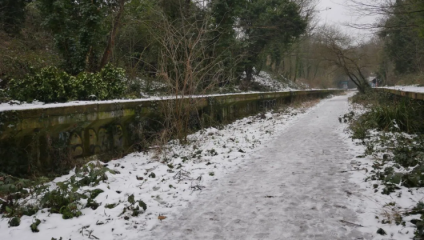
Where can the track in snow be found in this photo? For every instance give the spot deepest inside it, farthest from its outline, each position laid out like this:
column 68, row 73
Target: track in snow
column 293, row 189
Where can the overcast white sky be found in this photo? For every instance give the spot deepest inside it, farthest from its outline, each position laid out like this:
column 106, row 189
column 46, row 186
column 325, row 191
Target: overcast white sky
column 340, row 14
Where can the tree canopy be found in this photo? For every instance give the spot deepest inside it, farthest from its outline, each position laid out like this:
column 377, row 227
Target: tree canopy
column 236, row 35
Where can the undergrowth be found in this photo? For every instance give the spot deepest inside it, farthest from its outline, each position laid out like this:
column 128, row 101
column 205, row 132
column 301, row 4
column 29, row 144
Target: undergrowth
column 66, row 198
column 388, row 112
column 392, row 130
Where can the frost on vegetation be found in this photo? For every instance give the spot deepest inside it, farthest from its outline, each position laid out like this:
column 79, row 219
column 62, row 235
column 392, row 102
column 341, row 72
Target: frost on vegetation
column 62, row 197
column 267, row 82
column 145, row 88
column 124, row 197
column 393, row 164
column 273, row 84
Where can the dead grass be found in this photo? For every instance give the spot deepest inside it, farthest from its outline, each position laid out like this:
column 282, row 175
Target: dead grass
column 392, row 213
column 159, row 146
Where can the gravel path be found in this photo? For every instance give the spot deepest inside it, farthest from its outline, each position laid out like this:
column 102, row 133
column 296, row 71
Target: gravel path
column 296, row 188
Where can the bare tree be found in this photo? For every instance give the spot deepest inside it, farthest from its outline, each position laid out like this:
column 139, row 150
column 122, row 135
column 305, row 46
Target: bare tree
column 384, row 9
column 352, row 58
column 188, row 65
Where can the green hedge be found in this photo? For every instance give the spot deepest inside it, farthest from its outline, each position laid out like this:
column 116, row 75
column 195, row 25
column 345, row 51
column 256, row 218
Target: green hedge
column 53, row 85
column 4, row 96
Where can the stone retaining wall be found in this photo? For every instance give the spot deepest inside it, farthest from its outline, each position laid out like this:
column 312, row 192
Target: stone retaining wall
column 52, row 140
column 412, row 95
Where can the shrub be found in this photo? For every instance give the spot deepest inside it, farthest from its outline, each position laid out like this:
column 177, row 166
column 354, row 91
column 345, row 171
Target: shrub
column 4, row 97
column 106, row 84
column 398, row 116
column 388, row 113
column 53, row 85
column 114, row 80
column 47, row 85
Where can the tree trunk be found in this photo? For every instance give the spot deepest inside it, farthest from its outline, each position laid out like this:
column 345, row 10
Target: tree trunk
column 249, row 73
column 111, row 41
column 259, row 68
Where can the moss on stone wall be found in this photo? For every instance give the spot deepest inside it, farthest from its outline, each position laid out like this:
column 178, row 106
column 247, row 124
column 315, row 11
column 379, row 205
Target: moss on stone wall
column 52, row 141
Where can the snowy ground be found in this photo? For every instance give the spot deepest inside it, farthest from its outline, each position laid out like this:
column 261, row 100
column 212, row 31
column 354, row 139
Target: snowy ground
column 283, row 175
column 377, row 208
column 308, row 183
column 294, row 188
column 209, row 157
column 374, row 207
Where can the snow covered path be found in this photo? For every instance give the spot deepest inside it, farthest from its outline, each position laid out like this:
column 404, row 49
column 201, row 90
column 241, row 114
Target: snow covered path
column 296, row 188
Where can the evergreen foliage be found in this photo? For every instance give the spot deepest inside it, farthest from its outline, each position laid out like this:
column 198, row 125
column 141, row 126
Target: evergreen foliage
column 89, row 33
column 402, row 35
column 79, row 30
column 12, row 15
column 264, row 23
column 54, row 85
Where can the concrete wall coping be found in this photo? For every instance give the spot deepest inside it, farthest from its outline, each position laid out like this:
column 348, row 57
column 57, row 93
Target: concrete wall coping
column 82, row 104
column 398, row 92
